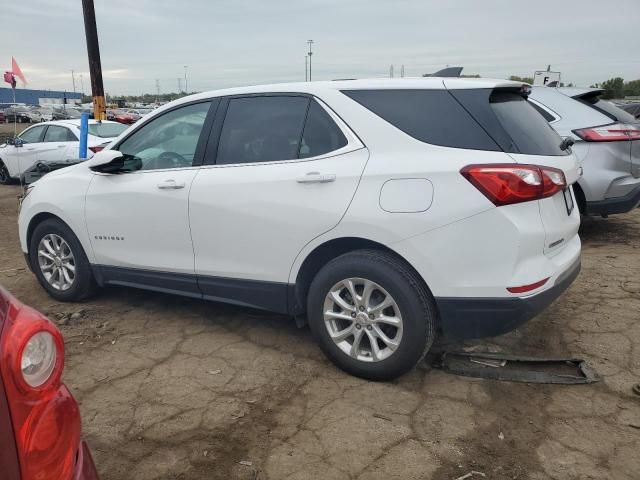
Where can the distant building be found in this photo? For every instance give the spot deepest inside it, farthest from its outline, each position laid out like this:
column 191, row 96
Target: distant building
column 38, row 97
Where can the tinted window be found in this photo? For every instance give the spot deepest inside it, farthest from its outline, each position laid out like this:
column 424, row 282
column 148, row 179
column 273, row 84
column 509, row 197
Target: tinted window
column 608, row 108
column 32, row 135
column 527, row 129
column 106, row 130
column 168, row 141
column 547, row 116
column 321, row 134
column 431, row 116
column 59, row 134
column 262, row 129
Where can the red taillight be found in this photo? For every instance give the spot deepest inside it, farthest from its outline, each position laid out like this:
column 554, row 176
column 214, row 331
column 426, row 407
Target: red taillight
column 528, row 288
column 45, row 417
column 506, row 184
column 96, row 149
column 615, row 132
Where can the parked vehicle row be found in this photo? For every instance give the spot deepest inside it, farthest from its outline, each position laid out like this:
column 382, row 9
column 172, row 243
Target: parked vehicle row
column 53, row 141
column 385, row 212
column 606, row 140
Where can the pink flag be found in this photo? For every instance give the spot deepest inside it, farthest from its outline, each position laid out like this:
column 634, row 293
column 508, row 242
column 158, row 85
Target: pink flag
column 16, row 71
column 10, row 79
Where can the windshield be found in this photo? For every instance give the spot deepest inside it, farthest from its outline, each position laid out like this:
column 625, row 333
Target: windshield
column 106, row 130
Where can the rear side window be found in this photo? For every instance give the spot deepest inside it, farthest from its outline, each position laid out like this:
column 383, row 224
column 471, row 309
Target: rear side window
column 262, row 129
column 321, row 134
column 547, row 116
column 608, row 108
column 431, row 116
column 59, row 134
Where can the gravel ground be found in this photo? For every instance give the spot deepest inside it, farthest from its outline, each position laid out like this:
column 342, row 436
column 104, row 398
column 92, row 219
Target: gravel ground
column 175, row 388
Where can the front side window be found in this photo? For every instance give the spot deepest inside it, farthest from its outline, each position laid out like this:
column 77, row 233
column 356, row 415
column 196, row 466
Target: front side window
column 59, row 134
column 32, row 135
column 262, row 129
column 169, row 141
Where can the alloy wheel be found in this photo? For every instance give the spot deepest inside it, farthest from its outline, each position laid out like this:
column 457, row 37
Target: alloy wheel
column 56, row 262
column 363, row 319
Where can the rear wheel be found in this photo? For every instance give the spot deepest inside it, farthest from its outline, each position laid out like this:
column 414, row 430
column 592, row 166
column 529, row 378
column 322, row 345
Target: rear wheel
column 371, row 315
column 59, row 262
column 5, row 178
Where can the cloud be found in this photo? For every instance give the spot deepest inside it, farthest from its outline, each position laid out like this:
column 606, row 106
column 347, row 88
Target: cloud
column 236, row 42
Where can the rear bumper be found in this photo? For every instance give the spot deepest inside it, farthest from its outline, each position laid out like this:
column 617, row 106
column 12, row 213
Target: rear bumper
column 615, row 205
column 85, row 468
column 463, row 318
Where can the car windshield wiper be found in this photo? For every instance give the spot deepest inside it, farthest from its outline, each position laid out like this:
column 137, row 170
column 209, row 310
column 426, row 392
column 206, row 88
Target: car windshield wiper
column 566, row 143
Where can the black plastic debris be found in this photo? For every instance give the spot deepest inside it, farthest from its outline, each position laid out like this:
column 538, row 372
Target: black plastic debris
column 513, row 368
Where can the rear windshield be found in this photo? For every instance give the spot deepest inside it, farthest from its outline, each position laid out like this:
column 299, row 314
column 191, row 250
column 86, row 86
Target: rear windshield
column 608, row 108
column 431, row 116
column 529, row 131
column 106, row 130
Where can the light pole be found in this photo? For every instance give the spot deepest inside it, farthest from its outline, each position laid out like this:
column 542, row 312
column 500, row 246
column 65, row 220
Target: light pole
column 186, row 88
column 306, row 68
column 310, row 42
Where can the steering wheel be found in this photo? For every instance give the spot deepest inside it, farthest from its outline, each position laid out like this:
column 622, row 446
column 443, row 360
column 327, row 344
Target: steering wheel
column 168, row 160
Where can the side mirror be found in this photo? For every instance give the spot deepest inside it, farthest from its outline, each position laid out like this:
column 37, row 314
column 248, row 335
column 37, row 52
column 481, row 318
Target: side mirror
column 17, row 142
column 103, row 158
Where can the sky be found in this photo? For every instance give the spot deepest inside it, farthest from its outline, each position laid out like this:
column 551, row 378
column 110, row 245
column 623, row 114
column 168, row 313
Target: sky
column 228, row 43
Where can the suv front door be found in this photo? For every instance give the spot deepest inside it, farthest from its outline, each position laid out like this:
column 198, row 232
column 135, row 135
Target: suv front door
column 138, row 220
column 285, row 171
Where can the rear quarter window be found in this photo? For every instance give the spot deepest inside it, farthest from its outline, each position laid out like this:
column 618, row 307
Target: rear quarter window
column 431, row 116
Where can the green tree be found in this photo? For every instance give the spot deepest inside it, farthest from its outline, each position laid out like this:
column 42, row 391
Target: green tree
column 632, row 88
column 613, row 88
column 517, row 78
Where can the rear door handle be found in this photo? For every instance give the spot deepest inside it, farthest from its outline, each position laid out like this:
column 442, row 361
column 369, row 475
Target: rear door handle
column 170, row 185
column 316, row 177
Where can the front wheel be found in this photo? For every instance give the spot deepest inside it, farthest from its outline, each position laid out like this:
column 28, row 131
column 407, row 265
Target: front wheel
column 371, row 314
column 59, row 262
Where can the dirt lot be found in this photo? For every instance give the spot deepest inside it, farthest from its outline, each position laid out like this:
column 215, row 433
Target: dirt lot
column 174, row 388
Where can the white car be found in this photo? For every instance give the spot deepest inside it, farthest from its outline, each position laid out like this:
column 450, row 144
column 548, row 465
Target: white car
column 382, row 211
column 52, row 142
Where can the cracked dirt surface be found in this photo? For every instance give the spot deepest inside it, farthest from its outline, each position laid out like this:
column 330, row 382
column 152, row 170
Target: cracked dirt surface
column 177, row 388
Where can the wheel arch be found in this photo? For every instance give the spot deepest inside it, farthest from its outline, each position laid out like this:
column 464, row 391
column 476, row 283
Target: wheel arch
column 37, row 220
column 326, row 252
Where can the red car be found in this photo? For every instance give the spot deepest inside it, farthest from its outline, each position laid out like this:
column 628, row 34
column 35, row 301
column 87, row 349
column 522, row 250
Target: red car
column 39, row 418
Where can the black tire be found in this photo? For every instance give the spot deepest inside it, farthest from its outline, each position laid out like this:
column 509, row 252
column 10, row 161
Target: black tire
column 84, row 284
column 414, row 301
column 5, row 178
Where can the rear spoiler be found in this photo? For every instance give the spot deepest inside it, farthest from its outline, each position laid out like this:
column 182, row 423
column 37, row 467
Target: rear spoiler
column 450, row 72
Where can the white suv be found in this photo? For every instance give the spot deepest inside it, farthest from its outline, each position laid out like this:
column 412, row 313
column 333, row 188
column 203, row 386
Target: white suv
column 383, row 211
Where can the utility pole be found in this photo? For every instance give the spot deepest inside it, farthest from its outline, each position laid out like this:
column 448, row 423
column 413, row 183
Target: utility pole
column 186, row 85
column 81, row 84
column 73, row 80
column 306, row 68
column 95, row 67
column 391, row 71
column 157, row 89
column 310, row 42
column 179, row 85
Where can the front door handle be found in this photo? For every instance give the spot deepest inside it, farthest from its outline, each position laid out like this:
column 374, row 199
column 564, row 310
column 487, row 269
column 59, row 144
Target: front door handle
column 316, row 177
column 170, row 185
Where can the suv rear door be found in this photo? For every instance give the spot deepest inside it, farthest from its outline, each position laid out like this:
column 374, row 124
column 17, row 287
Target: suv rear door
column 280, row 169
